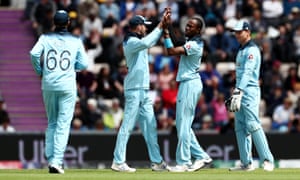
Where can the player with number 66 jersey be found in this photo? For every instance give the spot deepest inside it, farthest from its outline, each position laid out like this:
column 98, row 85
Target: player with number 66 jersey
column 62, row 54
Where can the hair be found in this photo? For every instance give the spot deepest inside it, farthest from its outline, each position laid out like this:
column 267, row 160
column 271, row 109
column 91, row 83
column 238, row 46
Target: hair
column 200, row 23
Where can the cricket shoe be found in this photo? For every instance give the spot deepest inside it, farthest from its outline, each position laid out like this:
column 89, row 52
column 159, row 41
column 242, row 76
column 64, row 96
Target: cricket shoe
column 54, row 169
column 200, row 163
column 160, row 166
column 122, row 167
column 179, row 168
column 268, row 166
column 248, row 167
column 207, row 160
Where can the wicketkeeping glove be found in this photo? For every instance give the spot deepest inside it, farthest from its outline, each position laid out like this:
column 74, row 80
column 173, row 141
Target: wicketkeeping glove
column 227, row 103
column 236, row 99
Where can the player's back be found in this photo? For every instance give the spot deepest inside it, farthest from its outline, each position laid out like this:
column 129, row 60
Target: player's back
column 59, row 57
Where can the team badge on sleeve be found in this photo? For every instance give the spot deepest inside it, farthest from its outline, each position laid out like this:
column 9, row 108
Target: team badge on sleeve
column 250, row 57
column 188, row 46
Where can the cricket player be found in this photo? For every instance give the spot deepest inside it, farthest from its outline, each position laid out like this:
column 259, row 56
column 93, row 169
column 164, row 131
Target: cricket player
column 190, row 89
column 245, row 102
column 138, row 105
column 61, row 54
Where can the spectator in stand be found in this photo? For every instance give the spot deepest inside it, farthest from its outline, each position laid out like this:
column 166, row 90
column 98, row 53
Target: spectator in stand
column 86, row 83
column 248, row 6
column 3, row 112
column 230, row 9
column 165, row 76
column 5, row 126
column 271, row 78
column 92, row 27
column 165, row 120
column 153, row 75
column 113, row 117
column 93, row 49
column 92, row 113
column 202, row 109
column 77, row 125
column 189, row 3
column 291, row 80
column 275, row 98
column 220, row 46
column 295, row 127
column 127, row 7
column 67, row 5
column 296, row 44
column 282, row 116
column 257, row 22
column 207, row 125
column 211, row 12
column 146, row 5
column 79, row 112
column 169, row 96
column 109, row 12
column 234, row 44
column 41, row 16
column 118, row 78
column 294, row 18
column 105, row 89
column 212, row 81
column 171, row 4
column 85, row 7
column 272, row 11
column 229, row 127
column 264, row 43
column 220, row 114
column 147, row 9
column 282, row 45
column 229, row 80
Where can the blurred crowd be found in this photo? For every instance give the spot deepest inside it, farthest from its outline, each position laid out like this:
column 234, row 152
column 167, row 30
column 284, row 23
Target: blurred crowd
column 102, row 25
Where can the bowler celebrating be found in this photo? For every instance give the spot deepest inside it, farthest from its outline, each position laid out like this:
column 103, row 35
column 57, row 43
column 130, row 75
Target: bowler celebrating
column 190, row 89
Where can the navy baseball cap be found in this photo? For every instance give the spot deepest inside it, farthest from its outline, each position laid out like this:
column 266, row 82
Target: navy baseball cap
column 61, row 17
column 138, row 20
column 241, row 25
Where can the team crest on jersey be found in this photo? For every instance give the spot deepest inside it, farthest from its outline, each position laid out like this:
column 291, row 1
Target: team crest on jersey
column 250, row 57
column 188, row 46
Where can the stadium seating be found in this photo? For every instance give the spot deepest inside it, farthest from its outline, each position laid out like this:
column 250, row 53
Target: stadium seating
column 19, row 85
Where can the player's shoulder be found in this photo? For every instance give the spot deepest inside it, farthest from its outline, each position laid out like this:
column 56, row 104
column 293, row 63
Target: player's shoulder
column 197, row 41
column 252, row 44
column 64, row 34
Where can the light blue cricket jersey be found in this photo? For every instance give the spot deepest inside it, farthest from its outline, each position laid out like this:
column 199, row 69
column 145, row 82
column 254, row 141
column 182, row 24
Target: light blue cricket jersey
column 189, row 64
column 55, row 57
column 248, row 62
column 137, row 59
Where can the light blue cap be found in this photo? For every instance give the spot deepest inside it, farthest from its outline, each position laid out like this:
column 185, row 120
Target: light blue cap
column 241, row 25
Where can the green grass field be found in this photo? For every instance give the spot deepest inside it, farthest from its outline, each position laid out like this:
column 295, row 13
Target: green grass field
column 147, row 174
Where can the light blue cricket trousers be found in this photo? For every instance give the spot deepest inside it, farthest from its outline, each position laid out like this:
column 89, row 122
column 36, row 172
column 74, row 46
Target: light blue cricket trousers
column 248, row 128
column 138, row 107
column 59, row 107
column 188, row 146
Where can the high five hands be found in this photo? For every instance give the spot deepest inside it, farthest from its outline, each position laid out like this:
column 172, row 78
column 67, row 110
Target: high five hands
column 166, row 19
